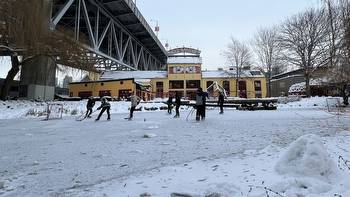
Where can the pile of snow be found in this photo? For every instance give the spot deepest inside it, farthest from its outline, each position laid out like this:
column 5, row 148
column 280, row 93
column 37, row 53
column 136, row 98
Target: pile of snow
column 310, row 103
column 289, row 99
column 307, row 156
column 308, row 168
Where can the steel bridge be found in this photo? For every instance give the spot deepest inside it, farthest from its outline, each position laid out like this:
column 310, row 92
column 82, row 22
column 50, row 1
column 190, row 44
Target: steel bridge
column 112, row 29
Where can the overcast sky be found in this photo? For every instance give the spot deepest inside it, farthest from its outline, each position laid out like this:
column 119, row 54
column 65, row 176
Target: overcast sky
column 208, row 25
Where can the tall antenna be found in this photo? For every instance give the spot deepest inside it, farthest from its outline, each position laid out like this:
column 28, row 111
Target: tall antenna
column 156, row 28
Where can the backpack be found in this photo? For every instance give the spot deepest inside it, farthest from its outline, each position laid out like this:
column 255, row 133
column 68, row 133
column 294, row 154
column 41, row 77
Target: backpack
column 199, row 99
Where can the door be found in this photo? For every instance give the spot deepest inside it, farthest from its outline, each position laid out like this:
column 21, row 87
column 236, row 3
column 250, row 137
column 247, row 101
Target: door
column 242, row 89
column 159, row 90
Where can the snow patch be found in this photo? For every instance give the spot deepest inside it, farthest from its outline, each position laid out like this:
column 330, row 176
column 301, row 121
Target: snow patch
column 307, row 156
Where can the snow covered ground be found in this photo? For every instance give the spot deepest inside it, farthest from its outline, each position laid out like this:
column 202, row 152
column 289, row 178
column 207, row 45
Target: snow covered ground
column 294, row 151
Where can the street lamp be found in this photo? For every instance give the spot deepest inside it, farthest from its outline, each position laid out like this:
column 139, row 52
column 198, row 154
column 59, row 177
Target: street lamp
column 156, row 28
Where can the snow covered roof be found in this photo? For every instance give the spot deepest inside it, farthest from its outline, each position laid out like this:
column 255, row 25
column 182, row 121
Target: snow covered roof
column 231, row 73
column 184, row 60
column 134, row 74
column 301, row 87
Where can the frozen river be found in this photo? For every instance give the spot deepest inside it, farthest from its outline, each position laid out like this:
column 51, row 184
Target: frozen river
column 49, row 158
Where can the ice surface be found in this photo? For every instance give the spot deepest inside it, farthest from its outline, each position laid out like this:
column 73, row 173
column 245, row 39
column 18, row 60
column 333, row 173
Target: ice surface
column 227, row 154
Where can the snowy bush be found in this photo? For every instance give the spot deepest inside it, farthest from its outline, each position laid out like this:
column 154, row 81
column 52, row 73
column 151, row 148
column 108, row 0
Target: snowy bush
column 74, row 112
column 307, row 156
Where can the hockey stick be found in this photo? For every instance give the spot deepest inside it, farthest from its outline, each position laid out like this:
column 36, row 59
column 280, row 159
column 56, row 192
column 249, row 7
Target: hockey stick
column 84, row 116
column 190, row 113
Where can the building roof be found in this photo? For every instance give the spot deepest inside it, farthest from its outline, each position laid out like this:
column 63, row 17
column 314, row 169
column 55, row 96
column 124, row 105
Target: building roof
column 184, row 60
column 288, row 74
column 231, row 73
column 134, row 74
column 102, row 80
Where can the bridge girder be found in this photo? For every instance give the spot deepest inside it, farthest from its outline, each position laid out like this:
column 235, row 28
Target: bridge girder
column 111, row 35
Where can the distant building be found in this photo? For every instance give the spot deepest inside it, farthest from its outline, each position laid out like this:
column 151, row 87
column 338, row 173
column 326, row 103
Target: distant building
column 184, row 75
column 66, row 81
column 293, row 83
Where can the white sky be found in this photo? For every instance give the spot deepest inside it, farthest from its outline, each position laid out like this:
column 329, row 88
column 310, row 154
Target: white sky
column 208, row 25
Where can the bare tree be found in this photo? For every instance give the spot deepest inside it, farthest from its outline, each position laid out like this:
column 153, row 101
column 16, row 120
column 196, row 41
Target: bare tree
column 339, row 30
column 238, row 55
column 267, row 50
column 303, row 40
column 25, row 34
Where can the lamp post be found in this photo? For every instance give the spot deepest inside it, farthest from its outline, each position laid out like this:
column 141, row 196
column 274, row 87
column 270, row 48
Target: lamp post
column 156, row 28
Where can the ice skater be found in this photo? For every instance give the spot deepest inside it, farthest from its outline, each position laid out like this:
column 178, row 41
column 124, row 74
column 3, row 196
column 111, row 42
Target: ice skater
column 90, row 104
column 105, row 106
column 170, row 103
column 135, row 100
column 221, row 101
column 205, row 97
column 200, row 104
column 177, row 104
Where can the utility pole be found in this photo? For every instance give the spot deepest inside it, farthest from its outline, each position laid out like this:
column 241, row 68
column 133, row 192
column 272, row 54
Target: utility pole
column 156, row 28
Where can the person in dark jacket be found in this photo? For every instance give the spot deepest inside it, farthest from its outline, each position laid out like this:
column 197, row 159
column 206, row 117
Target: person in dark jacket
column 221, row 102
column 170, row 103
column 105, row 106
column 200, row 104
column 135, row 100
column 90, row 104
column 205, row 97
column 177, row 104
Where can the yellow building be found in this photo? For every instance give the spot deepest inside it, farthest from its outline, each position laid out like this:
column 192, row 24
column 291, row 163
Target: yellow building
column 184, row 75
column 117, row 88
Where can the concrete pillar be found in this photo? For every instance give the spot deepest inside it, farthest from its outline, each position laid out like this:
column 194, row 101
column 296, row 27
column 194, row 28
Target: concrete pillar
column 38, row 78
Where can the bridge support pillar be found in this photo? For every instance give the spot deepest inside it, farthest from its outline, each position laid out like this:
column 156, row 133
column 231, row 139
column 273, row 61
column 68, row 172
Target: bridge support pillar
column 38, row 79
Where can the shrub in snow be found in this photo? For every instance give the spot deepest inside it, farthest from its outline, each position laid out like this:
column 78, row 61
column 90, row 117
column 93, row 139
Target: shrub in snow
column 307, row 156
column 2, row 185
column 182, row 195
column 149, row 135
column 145, row 195
column 30, row 112
column 74, row 112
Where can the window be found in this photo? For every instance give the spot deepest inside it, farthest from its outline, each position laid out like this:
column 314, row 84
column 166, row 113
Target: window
column 71, row 94
column 85, row 85
column 85, row 95
column 193, row 84
column 105, row 93
column 124, row 94
column 257, row 87
column 121, row 82
column 209, row 83
column 102, row 84
column 255, row 72
column 176, row 84
column 226, row 86
column 191, row 94
column 176, row 70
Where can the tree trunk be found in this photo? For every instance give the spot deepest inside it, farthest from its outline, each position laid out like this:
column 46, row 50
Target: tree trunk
column 269, row 85
column 307, row 85
column 345, row 94
column 9, row 78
